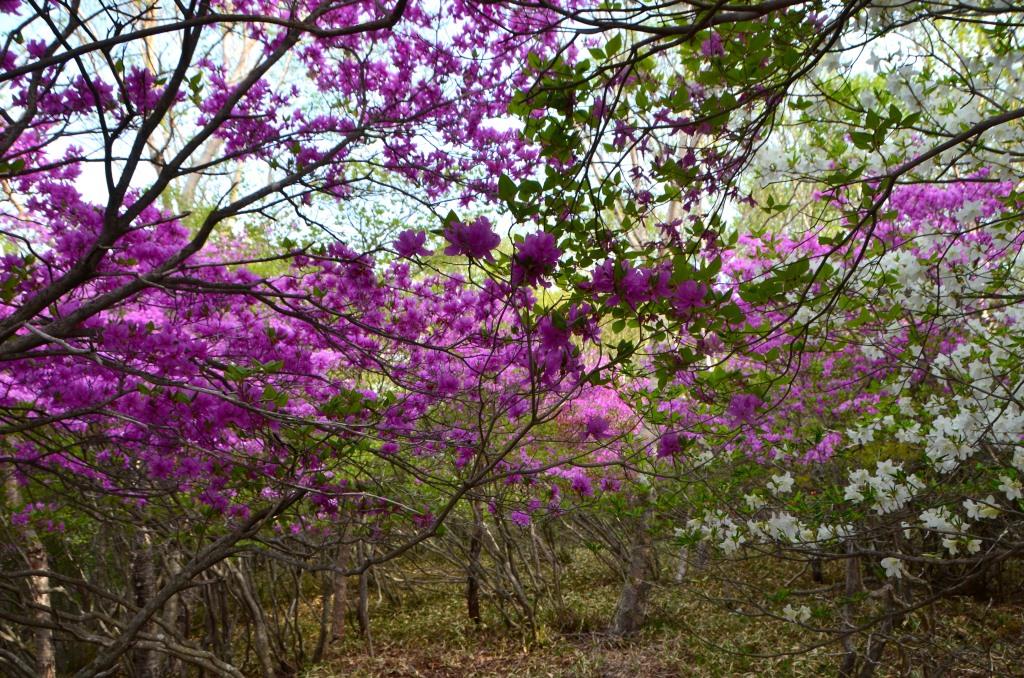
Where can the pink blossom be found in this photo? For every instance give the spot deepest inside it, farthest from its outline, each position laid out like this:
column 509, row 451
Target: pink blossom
column 410, row 243
column 474, row 240
column 535, row 258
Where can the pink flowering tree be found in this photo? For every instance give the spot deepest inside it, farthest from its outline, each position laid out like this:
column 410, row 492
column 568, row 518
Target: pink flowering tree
column 189, row 398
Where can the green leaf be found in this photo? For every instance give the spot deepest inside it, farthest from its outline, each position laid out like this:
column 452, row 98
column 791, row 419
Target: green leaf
column 506, row 188
column 614, row 45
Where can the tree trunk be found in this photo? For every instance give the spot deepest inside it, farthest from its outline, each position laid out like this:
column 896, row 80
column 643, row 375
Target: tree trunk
column 473, row 568
column 325, row 621
column 682, row 563
column 817, row 575
column 340, row 588
column 38, row 589
column 853, row 586
column 145, row 661
column 632, row 605
column 263, row 653
column 363, row 609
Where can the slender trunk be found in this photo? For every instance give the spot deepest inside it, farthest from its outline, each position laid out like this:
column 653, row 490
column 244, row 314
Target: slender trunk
column 206, row 558
column 363, row 609
column 174, row 611
column 473, row 569
column 145, row 661
column 852, row 588
column 38, row 589
column 632, row 605
column 325, row 622
column 682, row 562
column 259, row 624
column 339, row 606
column 817, row 575
column 700, row 561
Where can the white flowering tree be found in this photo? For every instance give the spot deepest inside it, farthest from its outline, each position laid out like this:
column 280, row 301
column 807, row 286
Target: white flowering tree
column 889, row 441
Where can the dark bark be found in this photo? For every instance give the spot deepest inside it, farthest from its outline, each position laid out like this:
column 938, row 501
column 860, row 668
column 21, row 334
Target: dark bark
column 473, row 568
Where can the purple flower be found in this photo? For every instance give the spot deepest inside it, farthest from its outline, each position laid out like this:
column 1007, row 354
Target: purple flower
column 603, row 277
column 632, row 287
column 410, row 243
column 743, row 406
column 597, row 427
column 669, row 445
column 9, row 6
column 554, row 350
column 581, row 483
column 689, row 294
column 713, row 46
column 535, row 258
column 554, row 336
column 474, row 240
column 519, row 518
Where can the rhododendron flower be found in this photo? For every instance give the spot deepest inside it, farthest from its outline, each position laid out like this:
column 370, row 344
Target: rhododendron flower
column 893, row 568
column 474, row 240
column 603, row 277
column 781, row 484
column 984, row 509
column 580, row 482
column 1011, row 487
column 520, row 518
column 9, row 6
column 713, row 46
column 669, row 445
column 597, row 427
column 743, row 406
column 582, row 322
column 626, row 283
column 689, row 294
column 410, row 243
column 632, row 287
column 535, row 258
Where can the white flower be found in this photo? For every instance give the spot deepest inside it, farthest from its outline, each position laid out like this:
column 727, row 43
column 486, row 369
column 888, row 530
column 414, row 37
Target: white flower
column 887, row 468
column 985, row 509
column 970, row 211
column 893, row 568
column 938, row 519
column 860, row 476
column 853, row 493
column 796, row 614
column 1011, row 487
column 754, row 501
column 784, row 526
column 732, row 542
column 1018, row 460
column 973, row 545
column 781, row 484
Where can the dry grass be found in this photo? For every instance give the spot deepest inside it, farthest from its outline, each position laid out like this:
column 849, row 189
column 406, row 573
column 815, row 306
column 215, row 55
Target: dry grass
column 687, row 634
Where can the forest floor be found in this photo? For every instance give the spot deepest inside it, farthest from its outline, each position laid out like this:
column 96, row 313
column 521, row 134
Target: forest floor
column 690, row 631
